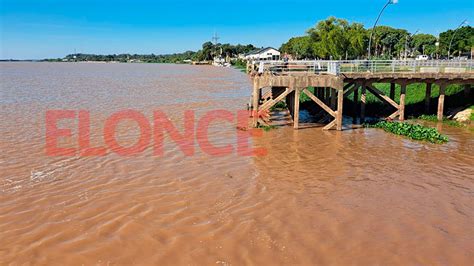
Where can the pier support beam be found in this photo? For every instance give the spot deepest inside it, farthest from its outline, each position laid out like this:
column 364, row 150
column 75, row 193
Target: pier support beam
column 363, row 101
column 255, row 101
column 442, row 89
column 384, row 98
column 326, row 108
column 392, row 91
column 401, row 107
column 296, row 112
column 328, row 96
column 333, row 99
column 340, row 99
column 427, row 97
column 356, row 104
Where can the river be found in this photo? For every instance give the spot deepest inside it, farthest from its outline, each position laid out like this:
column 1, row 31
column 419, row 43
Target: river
column 358, row 197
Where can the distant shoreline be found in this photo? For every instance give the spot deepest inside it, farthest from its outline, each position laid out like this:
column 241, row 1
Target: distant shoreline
column 85, row 62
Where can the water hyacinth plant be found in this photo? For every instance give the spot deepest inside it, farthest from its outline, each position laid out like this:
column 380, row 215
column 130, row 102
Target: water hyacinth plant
column 413, row 131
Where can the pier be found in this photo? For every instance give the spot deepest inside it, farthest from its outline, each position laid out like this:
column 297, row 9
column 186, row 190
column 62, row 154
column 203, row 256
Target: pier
column 275, row 81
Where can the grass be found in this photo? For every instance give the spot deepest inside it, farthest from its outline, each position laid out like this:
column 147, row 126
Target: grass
column 304, row 97
column 414, row 100
column 472, row 113
column 434, row 118
column 415, row 93
column 412, row 131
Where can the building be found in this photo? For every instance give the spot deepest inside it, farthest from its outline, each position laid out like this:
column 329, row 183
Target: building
column 268, row 53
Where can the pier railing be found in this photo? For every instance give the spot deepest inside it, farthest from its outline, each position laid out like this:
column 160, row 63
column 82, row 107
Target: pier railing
column 371, row 66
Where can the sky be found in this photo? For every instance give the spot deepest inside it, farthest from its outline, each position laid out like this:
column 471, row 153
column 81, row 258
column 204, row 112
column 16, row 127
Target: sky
column 37, row 29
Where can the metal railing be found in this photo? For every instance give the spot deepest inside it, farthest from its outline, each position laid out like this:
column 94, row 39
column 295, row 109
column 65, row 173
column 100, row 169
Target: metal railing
column 371, row 66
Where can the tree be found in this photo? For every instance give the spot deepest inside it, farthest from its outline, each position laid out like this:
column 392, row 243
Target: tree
column 424, row 44
column 330, row 33
column 357, row 37
column 300, row 47
column 462, row 42
column 336, row 38
column 388, row 41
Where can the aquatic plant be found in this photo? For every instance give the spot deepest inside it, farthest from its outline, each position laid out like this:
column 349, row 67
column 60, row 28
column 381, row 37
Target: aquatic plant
column 413, row 131
column 266, row 127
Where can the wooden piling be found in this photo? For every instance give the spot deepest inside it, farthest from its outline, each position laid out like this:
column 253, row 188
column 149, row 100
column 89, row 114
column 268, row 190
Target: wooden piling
column 402, row 102
column 333, row 98
column 392, row 90
column 255, row 101
column 296, row 115
column 356, row 105
column 363, row 101
column 427, row 97
column 328, row 96
column 442, row 88
column 340, row 99
column 290, row 102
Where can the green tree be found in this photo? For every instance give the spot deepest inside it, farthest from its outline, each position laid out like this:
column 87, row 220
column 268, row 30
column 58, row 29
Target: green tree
column 462, row 42
column 388, row 42
column 424, row 44
column 337, row 39
column 300, row 47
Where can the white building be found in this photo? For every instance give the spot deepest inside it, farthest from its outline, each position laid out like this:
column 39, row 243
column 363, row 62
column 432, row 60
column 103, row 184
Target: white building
column 268, row 53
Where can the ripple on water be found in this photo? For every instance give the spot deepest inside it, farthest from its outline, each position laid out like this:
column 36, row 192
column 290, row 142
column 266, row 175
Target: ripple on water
column 354, row 197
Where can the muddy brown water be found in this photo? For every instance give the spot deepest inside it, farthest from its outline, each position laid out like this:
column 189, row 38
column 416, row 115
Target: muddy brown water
column 358, row 197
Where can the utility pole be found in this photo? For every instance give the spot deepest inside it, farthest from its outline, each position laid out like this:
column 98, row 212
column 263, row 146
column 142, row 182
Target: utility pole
column 215, row 38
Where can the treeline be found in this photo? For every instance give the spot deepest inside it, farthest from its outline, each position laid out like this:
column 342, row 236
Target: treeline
column 336, row 38
column 208, row 51
column 146, row 58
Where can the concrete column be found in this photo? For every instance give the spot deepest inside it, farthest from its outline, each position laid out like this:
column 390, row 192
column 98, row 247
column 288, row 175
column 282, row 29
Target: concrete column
column 392, row 91
column 402, row 101
column 442, row 89
column 255, row 101
column 427, row 97
column 363, row 101
column 340, row 99
column 296, row 115
column 356, row 104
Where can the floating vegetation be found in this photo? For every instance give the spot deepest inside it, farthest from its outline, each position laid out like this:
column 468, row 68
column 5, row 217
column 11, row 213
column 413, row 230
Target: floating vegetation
column 266, row 127
column 413, row 131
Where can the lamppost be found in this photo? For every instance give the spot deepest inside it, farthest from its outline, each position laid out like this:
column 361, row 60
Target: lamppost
column 437, row 48
column 375, row 24
column 406, row 42
column 452, row 37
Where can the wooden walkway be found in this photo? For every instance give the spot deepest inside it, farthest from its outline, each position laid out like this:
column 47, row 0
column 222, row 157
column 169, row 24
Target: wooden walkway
column 275, row 85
